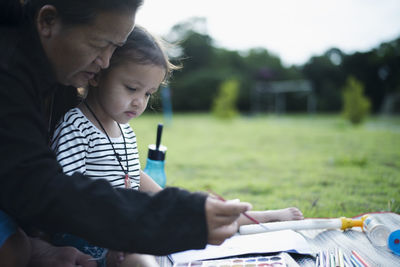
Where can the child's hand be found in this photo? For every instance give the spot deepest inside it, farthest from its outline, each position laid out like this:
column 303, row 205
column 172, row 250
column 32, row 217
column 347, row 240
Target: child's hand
column 46, row 255
column 222, row 218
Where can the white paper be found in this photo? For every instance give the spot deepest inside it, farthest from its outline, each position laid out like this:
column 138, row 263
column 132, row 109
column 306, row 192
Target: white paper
column 286, row 240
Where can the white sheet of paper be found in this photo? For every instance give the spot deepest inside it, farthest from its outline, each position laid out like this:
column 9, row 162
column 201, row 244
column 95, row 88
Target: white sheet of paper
column 286, row 240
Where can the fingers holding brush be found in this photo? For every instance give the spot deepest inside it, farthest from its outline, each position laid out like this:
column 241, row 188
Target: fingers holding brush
column 222, row 218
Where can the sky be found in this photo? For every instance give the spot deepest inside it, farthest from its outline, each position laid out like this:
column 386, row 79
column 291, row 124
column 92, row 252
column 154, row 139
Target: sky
column 294, row 30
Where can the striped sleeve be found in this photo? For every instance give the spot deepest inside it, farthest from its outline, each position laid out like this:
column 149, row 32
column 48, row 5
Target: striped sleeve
column 70, row 143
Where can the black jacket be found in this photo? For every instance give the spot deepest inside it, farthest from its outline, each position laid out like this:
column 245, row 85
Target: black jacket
column 34, row 190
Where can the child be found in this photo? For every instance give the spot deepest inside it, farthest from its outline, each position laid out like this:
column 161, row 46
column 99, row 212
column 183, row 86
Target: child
column 96, row 139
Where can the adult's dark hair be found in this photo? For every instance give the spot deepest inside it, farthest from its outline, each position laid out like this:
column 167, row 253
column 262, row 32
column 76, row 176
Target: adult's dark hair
column 71, row 12
column 10, row 12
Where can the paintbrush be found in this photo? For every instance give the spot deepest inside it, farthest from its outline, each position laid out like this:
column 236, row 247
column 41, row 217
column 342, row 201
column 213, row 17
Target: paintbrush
column 244, row 213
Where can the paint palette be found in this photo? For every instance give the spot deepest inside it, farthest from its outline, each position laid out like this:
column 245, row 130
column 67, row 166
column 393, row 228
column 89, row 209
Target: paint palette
column 265, row 261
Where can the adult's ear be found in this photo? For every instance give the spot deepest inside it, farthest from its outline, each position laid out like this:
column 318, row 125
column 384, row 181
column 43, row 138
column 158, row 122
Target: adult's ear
column 47, row 20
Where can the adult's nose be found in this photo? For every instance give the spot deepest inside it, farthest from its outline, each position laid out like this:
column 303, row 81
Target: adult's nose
column 103, row 60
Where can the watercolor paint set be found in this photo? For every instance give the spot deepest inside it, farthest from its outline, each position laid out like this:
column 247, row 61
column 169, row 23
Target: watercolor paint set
column 260, row 261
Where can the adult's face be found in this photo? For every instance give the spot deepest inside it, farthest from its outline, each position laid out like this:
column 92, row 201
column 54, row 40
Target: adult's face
column 78, row 52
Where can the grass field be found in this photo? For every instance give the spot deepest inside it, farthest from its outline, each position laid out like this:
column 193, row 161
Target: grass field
column 319, row 163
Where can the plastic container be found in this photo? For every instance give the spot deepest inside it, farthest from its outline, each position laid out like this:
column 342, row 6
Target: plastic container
column 376, row 232
column 394, row 242
column 155, row 163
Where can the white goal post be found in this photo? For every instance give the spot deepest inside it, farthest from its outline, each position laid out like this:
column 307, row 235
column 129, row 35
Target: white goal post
column 271, row 96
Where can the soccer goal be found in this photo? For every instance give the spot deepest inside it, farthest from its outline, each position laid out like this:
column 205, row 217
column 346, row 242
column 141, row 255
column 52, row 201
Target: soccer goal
column 272, row 96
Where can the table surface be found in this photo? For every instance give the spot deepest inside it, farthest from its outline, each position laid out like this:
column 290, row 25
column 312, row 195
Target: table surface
column 353, row 239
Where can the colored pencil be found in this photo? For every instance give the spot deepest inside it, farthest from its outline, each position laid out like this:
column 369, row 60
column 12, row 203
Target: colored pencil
column 332, row 259
column 363, row 262
column 341, row 258
column 327, row 259
column 336, row 251
column 355, row 262
column 321, row 259
column 347, row 260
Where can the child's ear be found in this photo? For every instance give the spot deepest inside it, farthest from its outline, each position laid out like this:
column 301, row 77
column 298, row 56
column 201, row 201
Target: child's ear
column 94, row 82
column 48, row 21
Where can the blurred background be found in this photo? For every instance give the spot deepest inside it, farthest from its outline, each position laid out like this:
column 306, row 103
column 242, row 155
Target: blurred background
column 322, row 43
column 281, row 103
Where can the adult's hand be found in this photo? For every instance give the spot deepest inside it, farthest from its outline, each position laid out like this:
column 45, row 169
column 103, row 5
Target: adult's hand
column 46, row 255
column 222, row 218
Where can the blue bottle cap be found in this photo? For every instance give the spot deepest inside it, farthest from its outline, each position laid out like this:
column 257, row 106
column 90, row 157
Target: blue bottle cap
column 157, row 154
column 394, row 242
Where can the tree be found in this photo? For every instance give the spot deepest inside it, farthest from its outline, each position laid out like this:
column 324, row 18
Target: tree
column 224, row 106
column 355, row 105
column 206, row 66
column 327, row 76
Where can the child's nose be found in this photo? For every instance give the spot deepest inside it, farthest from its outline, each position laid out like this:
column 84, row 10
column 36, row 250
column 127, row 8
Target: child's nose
column 137, row 102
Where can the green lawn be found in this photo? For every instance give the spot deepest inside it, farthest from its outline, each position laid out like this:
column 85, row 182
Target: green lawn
column 319, row 163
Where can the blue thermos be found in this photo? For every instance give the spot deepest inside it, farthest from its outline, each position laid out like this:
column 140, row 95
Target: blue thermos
column 155, row 164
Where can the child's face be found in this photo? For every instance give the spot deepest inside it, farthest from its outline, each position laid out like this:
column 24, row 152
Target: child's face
column 124, row 91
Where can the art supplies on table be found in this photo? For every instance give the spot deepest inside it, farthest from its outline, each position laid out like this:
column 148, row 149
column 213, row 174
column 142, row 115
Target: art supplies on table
column 360, row 261
column 380, row 235
column 394, row 242
column 278, row 260
column 377, row 233
column 337, row 258
column 307, row 224
column 327, row 259
column 340, row 243
column 263, row 243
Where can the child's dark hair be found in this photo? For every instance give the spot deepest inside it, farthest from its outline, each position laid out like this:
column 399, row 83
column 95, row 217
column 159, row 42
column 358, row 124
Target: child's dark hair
column 71, row 12
column 142, row 47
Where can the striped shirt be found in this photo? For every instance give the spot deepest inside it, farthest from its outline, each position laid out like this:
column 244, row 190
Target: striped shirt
column 81, row 147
